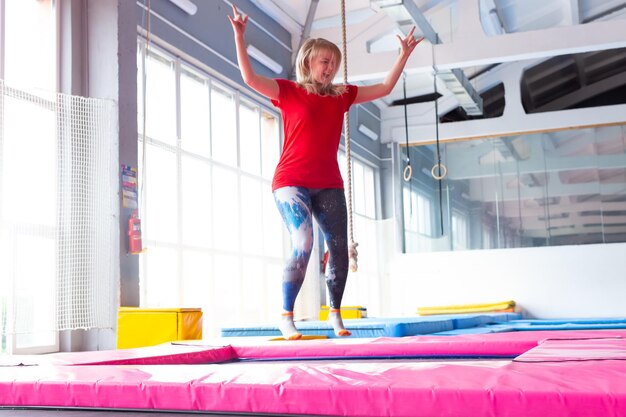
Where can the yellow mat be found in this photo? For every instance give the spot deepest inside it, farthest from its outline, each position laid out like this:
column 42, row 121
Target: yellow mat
column 501, row 306
column 304, row 337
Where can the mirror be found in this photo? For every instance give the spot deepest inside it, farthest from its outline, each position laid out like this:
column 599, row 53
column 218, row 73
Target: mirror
column 546, row 189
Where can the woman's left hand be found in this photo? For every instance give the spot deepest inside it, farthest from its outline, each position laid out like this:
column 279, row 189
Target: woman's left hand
column 409, row 42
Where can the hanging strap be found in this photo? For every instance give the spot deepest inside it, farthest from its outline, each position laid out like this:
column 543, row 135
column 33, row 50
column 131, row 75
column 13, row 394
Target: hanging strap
column 440, row 168
column 408, row 171
column 352, row 253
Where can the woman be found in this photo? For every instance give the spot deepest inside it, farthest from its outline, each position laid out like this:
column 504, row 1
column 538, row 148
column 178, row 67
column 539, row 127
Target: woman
column 307, row 182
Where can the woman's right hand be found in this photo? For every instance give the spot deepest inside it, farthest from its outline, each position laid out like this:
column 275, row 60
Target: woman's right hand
column 238, row 21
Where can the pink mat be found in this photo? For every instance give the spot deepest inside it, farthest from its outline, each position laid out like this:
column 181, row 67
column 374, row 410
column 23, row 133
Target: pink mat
column 352, row 388
column 492, row 345
column 356, row 387
column 506, row 345
column 576, row 350
column 165, row 354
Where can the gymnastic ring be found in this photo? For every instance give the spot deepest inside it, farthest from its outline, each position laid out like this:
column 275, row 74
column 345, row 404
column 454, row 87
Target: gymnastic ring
column 442, row 168
column 408, row 173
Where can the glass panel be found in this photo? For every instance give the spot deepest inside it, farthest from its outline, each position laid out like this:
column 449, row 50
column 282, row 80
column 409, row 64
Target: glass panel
column 424, row 220
column 341, row 160
column 459, row 230
column 226, row 282
column 369, row 190
column 358, row 186
column 34, row 282
column 194, row 114
column 272, row 225
column 161, row 287
column 270, row 144
column 253, row 288
column 363, row 185
column 545, row 189
column 249, row 138
column 196, row 203
column 273, row 284
column 251, row 216
column 612, row 176
column 196, row 278
column 160, row 99
column 223, row 132
column 25, row 184
column 161, row 195
column 141, row 45
column 226, row 209
column 30, row 44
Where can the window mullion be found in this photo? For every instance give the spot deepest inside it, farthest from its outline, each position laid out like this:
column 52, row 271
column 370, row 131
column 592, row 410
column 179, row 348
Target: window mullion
column 179, row 181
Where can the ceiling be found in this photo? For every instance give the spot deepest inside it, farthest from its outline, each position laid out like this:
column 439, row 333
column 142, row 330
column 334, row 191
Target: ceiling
column 581, row 197
column 374, row 24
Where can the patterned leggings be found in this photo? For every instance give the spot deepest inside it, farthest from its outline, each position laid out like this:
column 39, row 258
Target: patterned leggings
column 298, row 205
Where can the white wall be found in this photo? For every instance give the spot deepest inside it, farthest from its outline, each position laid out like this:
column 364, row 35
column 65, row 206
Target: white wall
column 583, row 281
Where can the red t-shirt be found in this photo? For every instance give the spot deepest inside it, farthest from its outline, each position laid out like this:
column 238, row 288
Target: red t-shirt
column 312, row 127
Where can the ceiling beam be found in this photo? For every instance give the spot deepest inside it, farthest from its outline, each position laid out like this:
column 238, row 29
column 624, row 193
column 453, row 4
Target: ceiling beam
column 455, row 80
column 514, row 121
column 310, row 17
column 306, row 32
column 613, row 10
column 279, row 15
column 574, row 6
column 476, row 51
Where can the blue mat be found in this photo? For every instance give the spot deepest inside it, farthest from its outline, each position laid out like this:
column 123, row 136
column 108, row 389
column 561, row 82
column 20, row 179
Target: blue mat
column 383, row 327
column 537, row 324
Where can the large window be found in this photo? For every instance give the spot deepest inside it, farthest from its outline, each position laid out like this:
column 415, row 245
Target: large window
column 26, row 228
column 213, row 235
column 363, row 185
column 370, row 233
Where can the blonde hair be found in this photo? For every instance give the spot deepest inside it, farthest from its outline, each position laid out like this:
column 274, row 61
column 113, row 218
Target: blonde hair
column 309, row 50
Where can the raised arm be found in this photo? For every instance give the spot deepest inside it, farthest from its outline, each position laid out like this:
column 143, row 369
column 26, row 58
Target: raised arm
column 262, row 85
column 372, row 92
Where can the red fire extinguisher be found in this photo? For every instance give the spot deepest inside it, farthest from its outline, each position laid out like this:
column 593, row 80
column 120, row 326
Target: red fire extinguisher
column 134, row 234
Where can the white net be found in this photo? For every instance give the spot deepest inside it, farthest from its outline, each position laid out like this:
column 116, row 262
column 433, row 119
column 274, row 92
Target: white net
column 58, row 212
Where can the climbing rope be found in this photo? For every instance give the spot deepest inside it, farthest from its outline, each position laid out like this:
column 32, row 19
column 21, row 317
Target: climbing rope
column 352, row 252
